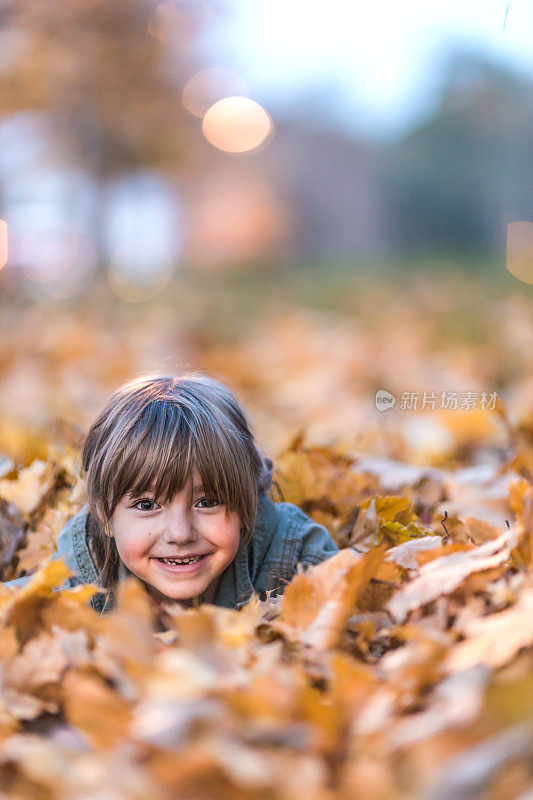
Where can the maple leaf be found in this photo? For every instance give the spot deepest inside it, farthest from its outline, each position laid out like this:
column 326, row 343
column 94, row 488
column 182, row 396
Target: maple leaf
column 496, row 639
column 396, row 533
column 95, row 708
column 406, row 554
column 30, row 680
column 388, row 507
column 30, row 488
column 12, row 534
column 317, row 604
column 322, row 481
column 24, row 607
column 445, row 573
column 522, row 554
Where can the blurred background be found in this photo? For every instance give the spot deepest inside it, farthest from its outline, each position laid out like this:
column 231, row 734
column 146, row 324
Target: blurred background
column 310, row 202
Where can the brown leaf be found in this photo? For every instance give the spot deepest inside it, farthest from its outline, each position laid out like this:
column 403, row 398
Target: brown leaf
column 517, row 492
column 42, row 541
column 41, row 661
column 478, row 492
column 480, row 531
column 95, row 708
column 338, row 586
column 406, row 554
column 444, row 574
column 322, row 481
column 522, row 554
column 128, row 630
column 455, row 701
column 30, row 488
column 12, row 533
column 24, row 608
column 304, row 596
column 496, row 639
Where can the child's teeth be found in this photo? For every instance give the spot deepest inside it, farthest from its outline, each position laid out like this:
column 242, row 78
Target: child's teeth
column 181, row 561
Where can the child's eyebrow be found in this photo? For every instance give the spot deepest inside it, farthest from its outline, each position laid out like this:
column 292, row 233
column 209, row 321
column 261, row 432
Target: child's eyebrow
column 198, row 487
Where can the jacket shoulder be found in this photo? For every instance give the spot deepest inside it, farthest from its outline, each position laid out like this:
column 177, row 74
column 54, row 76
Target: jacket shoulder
column 72, row 544
column 294, row 539
column 304, row 538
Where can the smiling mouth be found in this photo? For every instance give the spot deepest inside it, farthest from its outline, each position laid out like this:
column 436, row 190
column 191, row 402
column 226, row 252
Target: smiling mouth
column 182, row 561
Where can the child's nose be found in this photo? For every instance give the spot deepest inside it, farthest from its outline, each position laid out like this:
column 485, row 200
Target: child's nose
column 178, row 527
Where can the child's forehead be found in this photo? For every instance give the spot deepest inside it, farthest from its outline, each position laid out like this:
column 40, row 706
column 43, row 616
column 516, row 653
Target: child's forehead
column 195, row 478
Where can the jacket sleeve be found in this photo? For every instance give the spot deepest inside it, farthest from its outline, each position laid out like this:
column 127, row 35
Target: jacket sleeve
column 316, row 544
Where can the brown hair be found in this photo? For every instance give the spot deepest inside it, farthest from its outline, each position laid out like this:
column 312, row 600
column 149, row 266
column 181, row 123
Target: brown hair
column 153, row 431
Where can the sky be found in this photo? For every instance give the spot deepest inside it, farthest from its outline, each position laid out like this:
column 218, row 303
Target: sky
column 379, row 63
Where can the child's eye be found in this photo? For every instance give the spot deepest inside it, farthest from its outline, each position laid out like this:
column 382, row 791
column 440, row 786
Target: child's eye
column 210, row 500
column 145, row 501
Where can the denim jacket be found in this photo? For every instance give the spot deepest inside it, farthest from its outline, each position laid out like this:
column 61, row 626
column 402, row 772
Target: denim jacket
column 283, row 537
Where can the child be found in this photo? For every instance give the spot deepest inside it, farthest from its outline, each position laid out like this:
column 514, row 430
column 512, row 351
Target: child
column 177, row 495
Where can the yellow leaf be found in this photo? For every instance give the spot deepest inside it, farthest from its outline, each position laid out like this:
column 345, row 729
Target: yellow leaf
column 388, row 506
column 517, row 491
column 396, row 533
column 95, row 708
column 24, row 608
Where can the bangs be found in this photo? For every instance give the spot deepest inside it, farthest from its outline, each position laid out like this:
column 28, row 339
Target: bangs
column 159, row 453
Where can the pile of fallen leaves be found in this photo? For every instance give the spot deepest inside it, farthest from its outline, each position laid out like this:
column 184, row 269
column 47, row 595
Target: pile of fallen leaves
column 399, row 668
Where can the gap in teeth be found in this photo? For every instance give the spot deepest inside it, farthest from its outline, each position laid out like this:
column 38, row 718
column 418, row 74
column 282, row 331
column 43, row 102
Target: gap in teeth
column 181, row 561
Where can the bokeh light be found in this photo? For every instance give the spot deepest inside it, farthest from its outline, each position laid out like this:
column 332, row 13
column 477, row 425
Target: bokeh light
column 48, row 251
column 176, row 21
column 140, row 269
column 78, row 277
column 234, row 219
column 210, row 85
column 236, row 124
column 3, row 243
column 163, row 21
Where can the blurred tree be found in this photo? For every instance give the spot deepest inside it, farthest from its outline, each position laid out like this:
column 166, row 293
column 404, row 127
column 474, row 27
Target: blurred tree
column 109, row 75
column 457, row 179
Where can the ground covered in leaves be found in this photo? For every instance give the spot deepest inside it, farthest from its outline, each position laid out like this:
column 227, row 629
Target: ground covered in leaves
column 400, row 668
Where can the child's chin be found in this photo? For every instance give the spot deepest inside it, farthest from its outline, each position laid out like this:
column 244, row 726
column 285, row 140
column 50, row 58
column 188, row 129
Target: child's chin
column 181, row 598
column 159, row 594
column 184, row 595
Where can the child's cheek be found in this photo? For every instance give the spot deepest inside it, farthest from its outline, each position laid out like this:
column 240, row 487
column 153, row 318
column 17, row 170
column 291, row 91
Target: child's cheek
column 134, row 542
column 229, row 536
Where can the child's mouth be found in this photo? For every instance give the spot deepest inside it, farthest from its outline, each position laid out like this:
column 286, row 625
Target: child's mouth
column 181, row 565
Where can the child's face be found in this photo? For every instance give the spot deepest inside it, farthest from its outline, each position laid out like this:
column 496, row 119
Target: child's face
column 145, row 532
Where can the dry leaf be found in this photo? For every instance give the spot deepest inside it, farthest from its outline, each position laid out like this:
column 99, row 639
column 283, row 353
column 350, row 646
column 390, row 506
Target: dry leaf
column 406, row 554
column 96, row 709
column 30, row 488
column 444, row 574
column 494, row 640
column 12, row 534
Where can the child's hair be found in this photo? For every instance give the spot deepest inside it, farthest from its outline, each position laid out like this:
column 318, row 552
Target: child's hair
column 152, row 433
